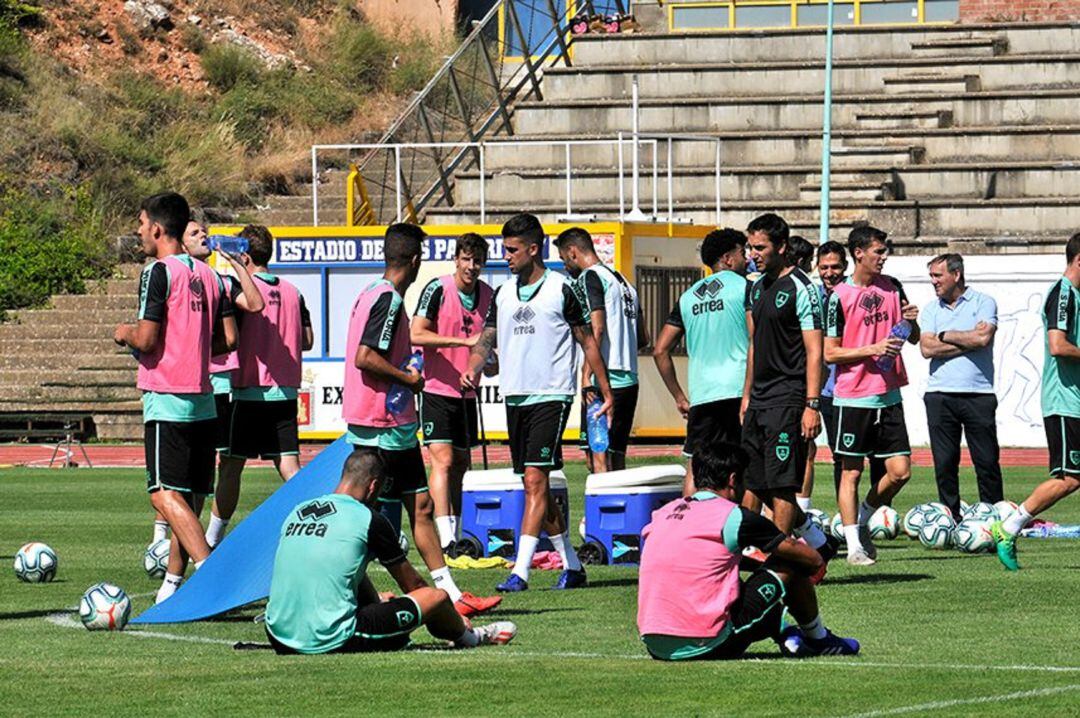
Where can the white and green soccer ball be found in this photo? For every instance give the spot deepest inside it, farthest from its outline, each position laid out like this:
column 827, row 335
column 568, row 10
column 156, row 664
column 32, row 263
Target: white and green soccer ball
column 981, row 511
column 937, row 531
column 156, row 558
column 884, row 523
column 938, row 506
column 104, row 607
column 964, row 506
column 836, row 528
column 820, row 519
column 36, row 563
column 1004, row 508
column 973, row 536
column 913, row 521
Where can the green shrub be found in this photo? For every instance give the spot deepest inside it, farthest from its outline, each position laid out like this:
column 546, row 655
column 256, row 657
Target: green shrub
column 227, row 66
column 361, row 57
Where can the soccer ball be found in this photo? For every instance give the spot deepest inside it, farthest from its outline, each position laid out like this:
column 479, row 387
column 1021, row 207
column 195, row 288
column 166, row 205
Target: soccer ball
column 156, row 558
column 104, row 607
column 820, row 519
column 973, row 536
column 35, row 563
column 1004, row 508
column 938, row 506
column 836, row 528
column 913, row 521
column 937, row 532
column 964, row 506
column 884, row 523
column 981, row 511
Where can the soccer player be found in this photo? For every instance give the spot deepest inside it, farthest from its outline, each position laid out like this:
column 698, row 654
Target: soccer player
column 184, row 318
column 264, row 414
column 781, row 393
column 712, row 315
column 536, row 317
column 802, row 253
column 614, row 312
column 447, row 323
column 378, row 346
column 861, row 315
column 832, row 270
column 1060, row 406
column 321, row 600
column 696, row 606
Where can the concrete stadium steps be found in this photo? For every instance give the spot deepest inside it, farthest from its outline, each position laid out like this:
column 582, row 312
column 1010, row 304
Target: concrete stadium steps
column 69, row 394
column 105, row 377
column 581, row 82
column 985, row 46
column 38, row 330
column 861, row 43
column 694, row 114
column 952, row 217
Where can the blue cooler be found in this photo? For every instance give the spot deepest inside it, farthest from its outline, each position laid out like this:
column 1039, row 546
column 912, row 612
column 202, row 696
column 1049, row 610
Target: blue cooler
column 619, row 504
column 492, row 504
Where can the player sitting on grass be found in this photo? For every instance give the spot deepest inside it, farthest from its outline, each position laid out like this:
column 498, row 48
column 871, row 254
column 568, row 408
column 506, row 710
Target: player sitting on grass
column 321, row 600
column 691, row 601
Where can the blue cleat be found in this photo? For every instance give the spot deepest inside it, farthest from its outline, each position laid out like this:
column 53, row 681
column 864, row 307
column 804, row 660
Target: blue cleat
column 513, row 584
column 830, row 645
column 571, row 579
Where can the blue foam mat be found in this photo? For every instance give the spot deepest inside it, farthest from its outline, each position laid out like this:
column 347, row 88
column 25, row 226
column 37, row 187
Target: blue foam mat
column 238, row 571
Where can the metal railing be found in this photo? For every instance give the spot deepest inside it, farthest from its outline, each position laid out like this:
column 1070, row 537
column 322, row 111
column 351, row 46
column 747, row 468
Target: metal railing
column 469, row 99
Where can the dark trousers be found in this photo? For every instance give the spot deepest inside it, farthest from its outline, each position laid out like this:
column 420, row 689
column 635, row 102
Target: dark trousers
column 828, row 416
column 974, row 415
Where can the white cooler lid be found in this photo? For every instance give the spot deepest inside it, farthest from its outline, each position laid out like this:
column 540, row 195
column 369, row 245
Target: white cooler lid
column 503, row 480
column 639, row 480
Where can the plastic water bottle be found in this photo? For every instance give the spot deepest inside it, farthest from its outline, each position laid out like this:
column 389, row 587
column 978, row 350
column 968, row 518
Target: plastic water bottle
column 901, row 331
column 597, row 427
column 228, row 245
column 399, row 395
column 1056, row 531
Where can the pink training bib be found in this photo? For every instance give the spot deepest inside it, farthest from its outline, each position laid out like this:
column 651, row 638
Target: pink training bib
column 443, row 366
column 229, row 360
column 870, row 313
column 271, row 341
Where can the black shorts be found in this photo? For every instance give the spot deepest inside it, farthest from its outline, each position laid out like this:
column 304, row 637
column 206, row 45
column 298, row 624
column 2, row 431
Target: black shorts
column 535, row 432
column 223, row 402
column 405, row 473
column 755, row 616
column 263, row 429
column 180, row 456
column 624, row 404
column 449, row 420
column 772, row 437
column 870, row 432
column 379, row 627
column 1063, row 442
column 713, row 422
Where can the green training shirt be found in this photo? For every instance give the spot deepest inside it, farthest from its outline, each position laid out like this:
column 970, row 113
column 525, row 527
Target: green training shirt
column 1061, row 375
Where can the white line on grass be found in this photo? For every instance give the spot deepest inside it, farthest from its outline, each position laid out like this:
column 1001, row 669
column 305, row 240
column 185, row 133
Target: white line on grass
column 66, row 620
column 937, row 705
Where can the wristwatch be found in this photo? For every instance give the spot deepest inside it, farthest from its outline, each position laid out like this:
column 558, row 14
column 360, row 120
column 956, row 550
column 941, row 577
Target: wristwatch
column 941, row 337
column 814, row 404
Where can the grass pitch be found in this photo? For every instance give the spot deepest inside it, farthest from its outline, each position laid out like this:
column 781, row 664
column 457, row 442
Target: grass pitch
column 942, row 633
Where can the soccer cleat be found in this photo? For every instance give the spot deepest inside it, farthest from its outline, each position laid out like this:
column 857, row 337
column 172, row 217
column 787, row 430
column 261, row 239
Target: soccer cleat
column 496, row 634
column 1006, row 546
column 867, row 542
column 470, row 605
column 830, row 645
column 571, row 579
column 513, row 584
column 860, row 557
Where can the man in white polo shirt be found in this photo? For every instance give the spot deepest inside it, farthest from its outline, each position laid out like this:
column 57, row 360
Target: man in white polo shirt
column 958, row 339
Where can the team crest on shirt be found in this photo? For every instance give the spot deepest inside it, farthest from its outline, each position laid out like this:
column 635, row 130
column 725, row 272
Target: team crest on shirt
column 545, row 452
column 849, row 440
column 429, row 428
column 1074, row 457
column 783, row 452
column 767, row 592
column 404, row 618
column 781, row 298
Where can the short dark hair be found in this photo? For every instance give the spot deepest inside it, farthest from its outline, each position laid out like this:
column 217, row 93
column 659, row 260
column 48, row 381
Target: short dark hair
column 717, row 465
column 260, row 243
column 524, row 226
column 472, row 243
column 1072, row 247
column 719, row 242
column 832, row 247
column 774, row 227
column 403, row 243
column 953, row 263
column 863, row 236
column 364, row 463
column 170, row 210
column 577, row 237
column 801, row 254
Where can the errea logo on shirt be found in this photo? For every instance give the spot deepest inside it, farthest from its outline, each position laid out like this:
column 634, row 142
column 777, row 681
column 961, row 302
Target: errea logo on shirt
column 709, row 288
column 524, row 316
column 309, row 516
column 707, row 292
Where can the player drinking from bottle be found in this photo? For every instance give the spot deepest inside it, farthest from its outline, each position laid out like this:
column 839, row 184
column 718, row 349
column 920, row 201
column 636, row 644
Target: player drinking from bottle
column 867, row 322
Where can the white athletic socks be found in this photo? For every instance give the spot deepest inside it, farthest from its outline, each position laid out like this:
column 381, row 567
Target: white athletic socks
column 851, row 535
column 446, row 527
column 811, row 534
column 161, row 530
column 216, row 530
column 814, row 629
column 566, row 551
column 803, row 502
column 198, row 564
column 1017, row 520
column 442, row 579
column 526, row 549
column 469, row 639
column 168, row 587
column 865, row 512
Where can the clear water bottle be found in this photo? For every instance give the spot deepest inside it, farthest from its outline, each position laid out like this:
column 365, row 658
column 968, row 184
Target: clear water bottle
column 597, row 427
column 901, row 331
column 401, row 396
column 228, row 245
